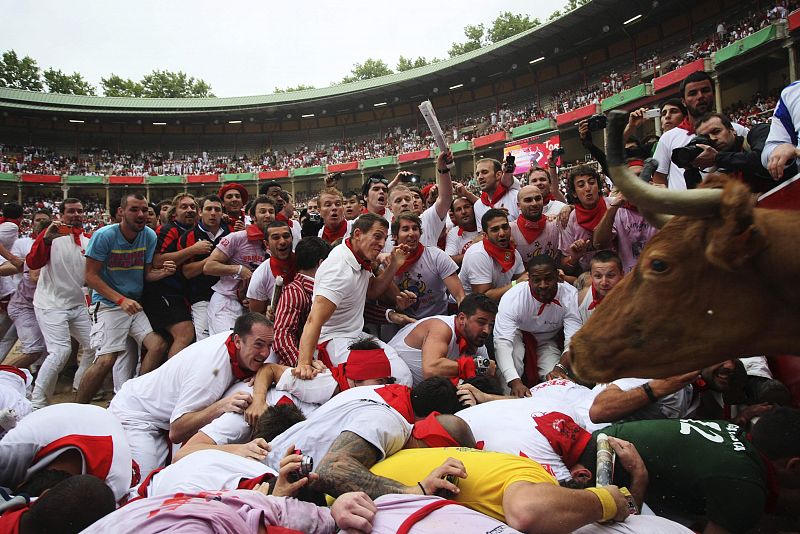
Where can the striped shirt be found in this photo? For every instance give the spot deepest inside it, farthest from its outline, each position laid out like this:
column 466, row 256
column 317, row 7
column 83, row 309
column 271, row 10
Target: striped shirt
column 290, row 316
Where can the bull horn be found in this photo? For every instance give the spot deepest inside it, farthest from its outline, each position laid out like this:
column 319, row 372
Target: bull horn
column 695, row 202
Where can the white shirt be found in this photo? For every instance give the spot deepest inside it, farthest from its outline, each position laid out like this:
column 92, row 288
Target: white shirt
column 426, row 280
column 458, row 240
column 341, row 280
column 432, row 226
column 61, row 281
column 190, row 381
column 20, row 249
column 359, row 410
column 548, row 242
column 479, row 268
column 89, row 429
column 263, row 282
column 507, row 201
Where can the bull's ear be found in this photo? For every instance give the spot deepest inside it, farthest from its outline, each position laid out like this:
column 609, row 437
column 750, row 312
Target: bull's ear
column 737, row 240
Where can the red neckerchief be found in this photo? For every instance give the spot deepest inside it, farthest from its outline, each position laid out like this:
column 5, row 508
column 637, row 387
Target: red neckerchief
column 499, row 191
column 548, row 198
column 15, row 221
column 531, row 229
column 9, row 521
column 399, row 398
column 411, row 260
column 14, row 370
column 431, row 431
column 544, row 304
column 254, row 233
column 238, row 372
column 505, row 257
column 566, row 437
column 628, row 206
column 596, row 299
column 236, row 217
column 686, row 125
column 281, row 217
column 590, row 218
column 331, row 236
column 340, row 376
column 365, row 264
column 77, row 232
column 285, row 268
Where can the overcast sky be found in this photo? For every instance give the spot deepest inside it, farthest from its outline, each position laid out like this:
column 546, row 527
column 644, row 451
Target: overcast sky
column 240, row 47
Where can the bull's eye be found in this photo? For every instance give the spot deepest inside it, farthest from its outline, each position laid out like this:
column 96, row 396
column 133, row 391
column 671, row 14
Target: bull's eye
column 659, row 266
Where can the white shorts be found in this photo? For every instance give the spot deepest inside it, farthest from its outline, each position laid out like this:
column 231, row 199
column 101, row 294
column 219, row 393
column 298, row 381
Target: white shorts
column 222, row 313
column 111, row 327
column 200, row 319
column 30, row 335
column 149, row 444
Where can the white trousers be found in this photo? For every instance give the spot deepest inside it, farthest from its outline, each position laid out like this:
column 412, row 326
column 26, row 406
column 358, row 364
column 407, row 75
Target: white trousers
column 200, row 319
column 222, row 313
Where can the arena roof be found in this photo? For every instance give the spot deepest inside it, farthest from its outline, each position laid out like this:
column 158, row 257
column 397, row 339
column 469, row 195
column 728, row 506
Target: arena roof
column 555, row 41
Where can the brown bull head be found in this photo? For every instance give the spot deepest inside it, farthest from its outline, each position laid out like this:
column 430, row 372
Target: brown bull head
column 705, row 288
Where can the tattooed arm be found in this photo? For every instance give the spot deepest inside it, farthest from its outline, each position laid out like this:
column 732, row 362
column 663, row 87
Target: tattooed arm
column 346, row 468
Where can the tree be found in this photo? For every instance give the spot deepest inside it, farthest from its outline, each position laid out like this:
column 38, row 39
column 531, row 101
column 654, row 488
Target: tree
column 19, row 73
column 475, row 39
column 371, row 68
column 117, row 86
column 67, row 84
column 508, row 24
column 300, row 87
column 166, row 84
column 554, row 15
column 404, row 63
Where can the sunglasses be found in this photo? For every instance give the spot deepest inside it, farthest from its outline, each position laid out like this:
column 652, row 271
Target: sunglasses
column 378, row 179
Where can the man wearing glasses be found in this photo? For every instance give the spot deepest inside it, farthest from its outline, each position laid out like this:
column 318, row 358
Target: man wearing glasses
column 376, row 195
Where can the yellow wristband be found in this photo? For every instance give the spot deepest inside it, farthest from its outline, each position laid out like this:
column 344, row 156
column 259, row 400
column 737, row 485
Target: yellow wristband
column 607, row 501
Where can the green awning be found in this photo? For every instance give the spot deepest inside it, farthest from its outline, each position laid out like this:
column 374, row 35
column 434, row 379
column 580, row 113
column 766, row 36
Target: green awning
column 309, row 171
column 742, row 46
column 628, row 95
column 84, row 180
column 533, row 128
column 379, row 162
column 461, row 146
column 238, row 177
column 8, row 177
column 164, row 180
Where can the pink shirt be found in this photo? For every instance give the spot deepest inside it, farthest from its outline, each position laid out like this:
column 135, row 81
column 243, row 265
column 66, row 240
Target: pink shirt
column 575, row 231
column 240, row 251
column 633, row 233
column 548, row 242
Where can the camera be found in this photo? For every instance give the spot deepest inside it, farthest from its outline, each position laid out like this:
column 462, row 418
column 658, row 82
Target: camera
column 556, row 153
column 314, row 218
column 597, row 122
column 447, row 494
column 508, row 164
column 413, row 178
column 683, row 156
column 481, row 365
column 306, row 466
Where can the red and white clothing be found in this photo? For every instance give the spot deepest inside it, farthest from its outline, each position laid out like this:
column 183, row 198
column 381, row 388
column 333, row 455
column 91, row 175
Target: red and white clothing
column 345, row 232
column 479, row 268
column 15, row 384
column 575, row 231
column 507, row 201
column 206, row 470
column 231, row 427
column 365, row 411
column 633, row 232
column 459, row 240
column 224, row 306
column 520, row 312
column 43, row 435
column 60, row 306
column 413, row 357
column 342, row 280
column 263, row 280
column 190, row 381
column 425, row 278
column 291, row 314
column 547, row 241
column 550, row 425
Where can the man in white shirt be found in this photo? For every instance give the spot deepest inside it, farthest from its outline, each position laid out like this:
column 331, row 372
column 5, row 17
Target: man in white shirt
column 184, row 394
column 461, row 236
column 498, row 189
column 551, row 194
column 541, row 309
column 533, row 233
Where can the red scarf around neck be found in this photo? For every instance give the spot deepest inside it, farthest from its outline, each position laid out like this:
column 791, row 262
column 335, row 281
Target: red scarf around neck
column 544, row 304
column 281, row 217
column 77, row 232
column 596, row 299
column 238, row 372
column 411, row 260
column 686, row 125
column 399, row 398
column 531, row 229
column 499, row 191
column 590, row 218
column 332, row 235
column 15, row 221
column 505, row 257
column 364, row 263
column 285, row 268
column 254, row 233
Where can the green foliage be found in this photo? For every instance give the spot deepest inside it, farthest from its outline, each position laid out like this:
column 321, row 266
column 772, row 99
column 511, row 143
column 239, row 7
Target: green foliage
column 67, row 84
column 300, row 87
column 554, row 15
column 404, row 63
column 116, row 86
column 371, row 68
column 508, row 24
column 19, row 73
column 166, row 84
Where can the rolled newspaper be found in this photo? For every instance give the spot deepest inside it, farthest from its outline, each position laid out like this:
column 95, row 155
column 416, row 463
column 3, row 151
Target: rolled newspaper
column 276, row 293
column 605, row 461
column 426, row 108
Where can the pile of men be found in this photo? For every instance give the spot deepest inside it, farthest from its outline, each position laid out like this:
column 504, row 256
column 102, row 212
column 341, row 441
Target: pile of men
column 406, row 355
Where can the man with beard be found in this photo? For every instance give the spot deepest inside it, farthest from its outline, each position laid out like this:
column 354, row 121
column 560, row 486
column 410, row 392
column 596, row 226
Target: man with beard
column 697, row 94
column 529, row 319
column 576, row 241
column 236, row 257
column 118, row 262
column 234, row 197
column 375, row 192
column 552, row 197
column 498, row 189
column 281, row 262
column 335, row 225
column 448, row 345
column 465, row 230
column 208, row 229
column 427, row 272
column 164, row 301
column 493, row 266
column 532, row 232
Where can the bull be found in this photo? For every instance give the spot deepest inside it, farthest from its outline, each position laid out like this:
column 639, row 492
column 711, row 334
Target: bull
column 718, row 281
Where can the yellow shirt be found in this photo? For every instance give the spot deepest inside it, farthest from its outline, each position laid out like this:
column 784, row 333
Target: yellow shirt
column 488, row 474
